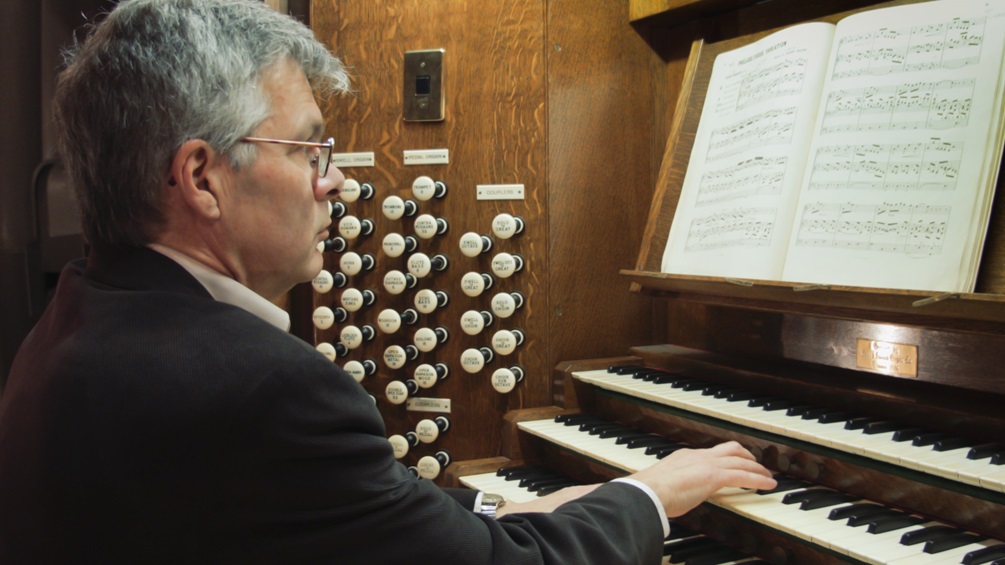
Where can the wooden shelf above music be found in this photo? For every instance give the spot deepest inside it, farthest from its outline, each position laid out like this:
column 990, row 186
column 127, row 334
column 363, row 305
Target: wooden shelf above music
column 971, row 310
column 679, row 11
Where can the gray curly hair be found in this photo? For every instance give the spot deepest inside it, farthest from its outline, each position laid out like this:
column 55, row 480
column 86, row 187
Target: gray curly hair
column 156, row 73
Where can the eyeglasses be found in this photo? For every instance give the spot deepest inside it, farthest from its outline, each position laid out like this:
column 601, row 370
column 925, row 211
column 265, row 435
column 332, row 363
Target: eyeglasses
column 319, row 160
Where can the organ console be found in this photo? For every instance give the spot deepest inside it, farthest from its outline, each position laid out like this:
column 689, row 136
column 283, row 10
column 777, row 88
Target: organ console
column 874, row 465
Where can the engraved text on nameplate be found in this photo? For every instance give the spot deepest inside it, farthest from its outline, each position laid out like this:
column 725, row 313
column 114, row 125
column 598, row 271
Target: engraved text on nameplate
column 419, row 404
column 897, row 359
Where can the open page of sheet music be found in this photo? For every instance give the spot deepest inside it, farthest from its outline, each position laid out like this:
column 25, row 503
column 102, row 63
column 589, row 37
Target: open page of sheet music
column 863, row 154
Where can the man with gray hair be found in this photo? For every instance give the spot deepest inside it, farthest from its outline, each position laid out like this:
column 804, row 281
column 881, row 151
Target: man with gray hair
column 160, row 412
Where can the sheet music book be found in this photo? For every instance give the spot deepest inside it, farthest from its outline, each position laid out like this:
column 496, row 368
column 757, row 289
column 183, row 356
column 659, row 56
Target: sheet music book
column 862, row 154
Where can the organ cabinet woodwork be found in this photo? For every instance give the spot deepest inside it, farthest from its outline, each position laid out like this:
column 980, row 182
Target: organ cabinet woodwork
column 470, row 255
column 875, row 465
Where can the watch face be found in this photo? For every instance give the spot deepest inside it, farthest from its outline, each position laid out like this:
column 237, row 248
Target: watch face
column 489, row 499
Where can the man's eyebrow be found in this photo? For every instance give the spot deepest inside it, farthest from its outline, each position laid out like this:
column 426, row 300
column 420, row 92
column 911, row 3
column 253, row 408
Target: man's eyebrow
column 316, row 131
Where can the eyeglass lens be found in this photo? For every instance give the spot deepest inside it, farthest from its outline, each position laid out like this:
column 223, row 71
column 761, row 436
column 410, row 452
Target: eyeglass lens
column 325, row 158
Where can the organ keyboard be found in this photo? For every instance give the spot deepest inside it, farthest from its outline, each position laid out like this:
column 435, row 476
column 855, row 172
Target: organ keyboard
column 863, row 477
column 941, row 454
column 681, row 547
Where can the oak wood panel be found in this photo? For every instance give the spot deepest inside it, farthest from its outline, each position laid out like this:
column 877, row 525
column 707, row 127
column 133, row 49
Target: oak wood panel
column 601, row 127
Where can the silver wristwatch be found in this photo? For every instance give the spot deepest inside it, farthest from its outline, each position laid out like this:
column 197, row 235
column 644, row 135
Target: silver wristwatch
column 491, row 503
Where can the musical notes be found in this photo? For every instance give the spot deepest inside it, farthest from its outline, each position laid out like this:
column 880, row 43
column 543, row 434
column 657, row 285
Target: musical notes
column 783, row 79
column 756, row 176
column 736, row 227
column 864, row 153
column 946, row 45
column 930, row 166
column 943, row 104
column 773, row 127
column 915, row 230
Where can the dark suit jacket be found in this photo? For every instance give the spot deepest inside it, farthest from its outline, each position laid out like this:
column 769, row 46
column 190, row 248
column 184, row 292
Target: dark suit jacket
column 144, row 422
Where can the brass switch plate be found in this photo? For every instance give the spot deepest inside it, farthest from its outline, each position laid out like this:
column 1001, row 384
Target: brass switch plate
column 424, row 99
column 888, row 358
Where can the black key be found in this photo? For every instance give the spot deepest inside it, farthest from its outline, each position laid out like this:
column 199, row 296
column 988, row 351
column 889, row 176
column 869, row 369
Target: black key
column 856, row 521
column 690, row 386
column 985, row 450
column 545, row 491
column 576, row 419
column 835, row 416
column 928, row 438
column 824, row 501
column 740, row 395
column 711, row 390
column 666, row 378
column 775, row 404
column 759, row 401
column 665, row 451
column 952, row 542
column 681, row 383
column 908, row 434
column 950, row 444
column 669, row 448
column 981, row 556
column 725, row 392
column 622, row 439
column 801, row 496
column 594, row 429
column 625, row 369
column 648, row 376
column 889, row 524
column 639, row 443
column 523, row 479
column 998, row 459
column 815, row 413
column 517, row 472
column 928, row 534
column 798, row 410
column 536, row 484
column 615, row 432
column 860, row 422
column 882, row 427
column 851, row 510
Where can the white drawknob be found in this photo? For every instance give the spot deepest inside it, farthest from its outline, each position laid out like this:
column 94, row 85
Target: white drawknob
column 323, row 317
column 323, row 282
column 505, row 226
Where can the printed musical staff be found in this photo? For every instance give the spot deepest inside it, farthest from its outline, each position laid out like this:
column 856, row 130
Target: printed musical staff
column 940, row 105
column 736, row 227
column 915, row 230
column 757, row 176
column 773, row 127
column 931, row 166
column 947, row 45
column 783, row 79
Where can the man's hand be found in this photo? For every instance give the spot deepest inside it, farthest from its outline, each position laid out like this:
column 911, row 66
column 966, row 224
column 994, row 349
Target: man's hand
column 687, row 477
column 546, row 503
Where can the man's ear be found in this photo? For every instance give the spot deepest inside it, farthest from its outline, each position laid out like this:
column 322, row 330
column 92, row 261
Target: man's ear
column 195, row 177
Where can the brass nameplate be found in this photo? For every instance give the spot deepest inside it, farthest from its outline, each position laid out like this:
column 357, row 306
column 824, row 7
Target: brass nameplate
column 897, row 359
